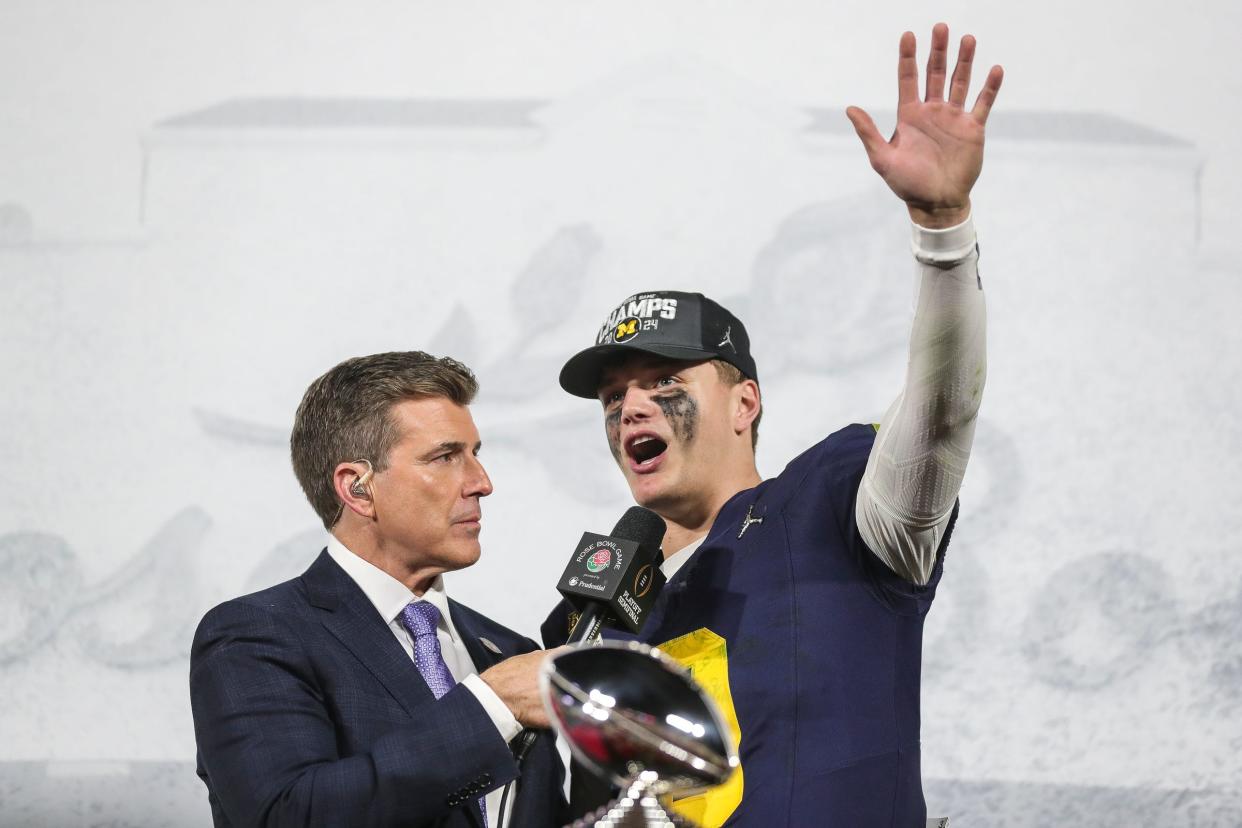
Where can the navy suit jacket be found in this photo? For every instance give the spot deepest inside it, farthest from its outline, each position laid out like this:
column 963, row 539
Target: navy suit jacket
column 308, row 712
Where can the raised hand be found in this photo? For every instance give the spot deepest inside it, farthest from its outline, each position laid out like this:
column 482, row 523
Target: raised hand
column 936, row 152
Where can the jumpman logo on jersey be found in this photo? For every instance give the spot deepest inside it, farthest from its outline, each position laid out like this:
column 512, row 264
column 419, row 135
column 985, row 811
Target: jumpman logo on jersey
column 728, row 339
column 748, row 520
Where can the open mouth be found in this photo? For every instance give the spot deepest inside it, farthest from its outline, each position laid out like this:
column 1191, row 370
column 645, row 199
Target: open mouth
column 643, row 449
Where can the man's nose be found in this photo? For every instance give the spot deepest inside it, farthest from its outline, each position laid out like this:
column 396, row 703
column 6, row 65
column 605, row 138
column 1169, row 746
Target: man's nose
column 477, row 482
column 637, row 404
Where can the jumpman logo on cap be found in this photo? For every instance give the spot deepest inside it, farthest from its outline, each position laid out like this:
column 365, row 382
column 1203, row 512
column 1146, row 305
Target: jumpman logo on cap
column 728, row 339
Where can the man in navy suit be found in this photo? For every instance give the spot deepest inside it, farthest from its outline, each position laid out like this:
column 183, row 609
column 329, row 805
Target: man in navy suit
column 359, row 693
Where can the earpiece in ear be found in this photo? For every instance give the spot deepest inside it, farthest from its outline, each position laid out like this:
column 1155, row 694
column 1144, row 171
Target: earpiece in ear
column 359, row 487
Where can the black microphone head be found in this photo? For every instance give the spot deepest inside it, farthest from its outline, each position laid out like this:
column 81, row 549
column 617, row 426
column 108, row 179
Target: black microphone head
column 642, row 526
column 615, row 579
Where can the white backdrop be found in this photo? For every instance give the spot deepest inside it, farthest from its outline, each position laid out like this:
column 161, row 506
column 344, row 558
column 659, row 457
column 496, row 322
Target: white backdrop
column 202, row 207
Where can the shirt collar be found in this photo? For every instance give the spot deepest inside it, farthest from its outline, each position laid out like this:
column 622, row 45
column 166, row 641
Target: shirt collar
column 386, row 593
column 678, row 559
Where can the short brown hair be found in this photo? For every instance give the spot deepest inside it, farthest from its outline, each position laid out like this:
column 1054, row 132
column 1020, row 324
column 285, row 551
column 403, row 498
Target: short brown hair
column 344, row 415
column 730, row 375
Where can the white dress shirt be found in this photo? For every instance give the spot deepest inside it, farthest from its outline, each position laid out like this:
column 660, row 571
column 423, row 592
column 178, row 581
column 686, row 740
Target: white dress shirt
column 390, row 597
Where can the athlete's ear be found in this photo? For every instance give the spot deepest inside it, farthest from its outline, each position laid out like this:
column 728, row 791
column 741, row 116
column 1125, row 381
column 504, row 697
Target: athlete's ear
column 746, row 405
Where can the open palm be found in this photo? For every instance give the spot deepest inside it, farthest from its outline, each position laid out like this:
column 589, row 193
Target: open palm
column 936, row 152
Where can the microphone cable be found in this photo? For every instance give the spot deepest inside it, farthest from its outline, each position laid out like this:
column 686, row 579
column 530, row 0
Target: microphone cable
column 525, row 740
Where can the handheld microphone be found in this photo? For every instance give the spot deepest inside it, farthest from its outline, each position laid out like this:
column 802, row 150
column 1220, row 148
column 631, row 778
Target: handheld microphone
column 614, row 579
column 610, row 578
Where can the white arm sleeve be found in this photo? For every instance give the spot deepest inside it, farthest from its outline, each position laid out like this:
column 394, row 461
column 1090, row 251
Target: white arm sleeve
column 916, row 466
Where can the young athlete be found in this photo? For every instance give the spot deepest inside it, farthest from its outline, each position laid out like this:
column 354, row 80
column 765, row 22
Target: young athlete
column 798, row 602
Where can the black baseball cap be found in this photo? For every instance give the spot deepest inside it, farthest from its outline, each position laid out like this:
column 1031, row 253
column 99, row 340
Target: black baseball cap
column 667, row 323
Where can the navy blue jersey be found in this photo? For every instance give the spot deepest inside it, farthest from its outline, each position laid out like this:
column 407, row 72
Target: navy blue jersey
column 810, row 646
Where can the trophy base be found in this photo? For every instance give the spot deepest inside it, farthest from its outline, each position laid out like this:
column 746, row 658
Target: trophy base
column 638, row 807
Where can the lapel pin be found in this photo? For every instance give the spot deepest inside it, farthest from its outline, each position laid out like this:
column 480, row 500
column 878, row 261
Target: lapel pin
column 749, row 520
column 489, row 645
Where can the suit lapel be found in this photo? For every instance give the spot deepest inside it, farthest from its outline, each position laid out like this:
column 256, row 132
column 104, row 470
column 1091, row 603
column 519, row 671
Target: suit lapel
column 476, row 639
column 353, row 621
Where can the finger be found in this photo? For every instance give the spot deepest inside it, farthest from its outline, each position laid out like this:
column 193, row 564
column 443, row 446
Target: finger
column 987, row 95
column 961, row 73
column 873, row 142
column 937, row 62
column 907, row 71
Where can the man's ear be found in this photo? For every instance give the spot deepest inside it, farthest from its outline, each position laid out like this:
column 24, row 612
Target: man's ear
column 352, row 484
column 747, row 404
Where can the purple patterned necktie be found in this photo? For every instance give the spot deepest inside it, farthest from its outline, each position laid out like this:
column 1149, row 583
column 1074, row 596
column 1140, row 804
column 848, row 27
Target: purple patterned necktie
column 421, row 619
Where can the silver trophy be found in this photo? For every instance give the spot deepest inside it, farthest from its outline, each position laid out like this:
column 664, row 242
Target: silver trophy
column 636, row 717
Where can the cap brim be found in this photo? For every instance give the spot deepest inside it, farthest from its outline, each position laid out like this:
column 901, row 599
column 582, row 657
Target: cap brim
column 581, row 373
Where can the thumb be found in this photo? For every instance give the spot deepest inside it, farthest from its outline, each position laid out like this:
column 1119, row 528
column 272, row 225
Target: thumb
column 872, row 141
